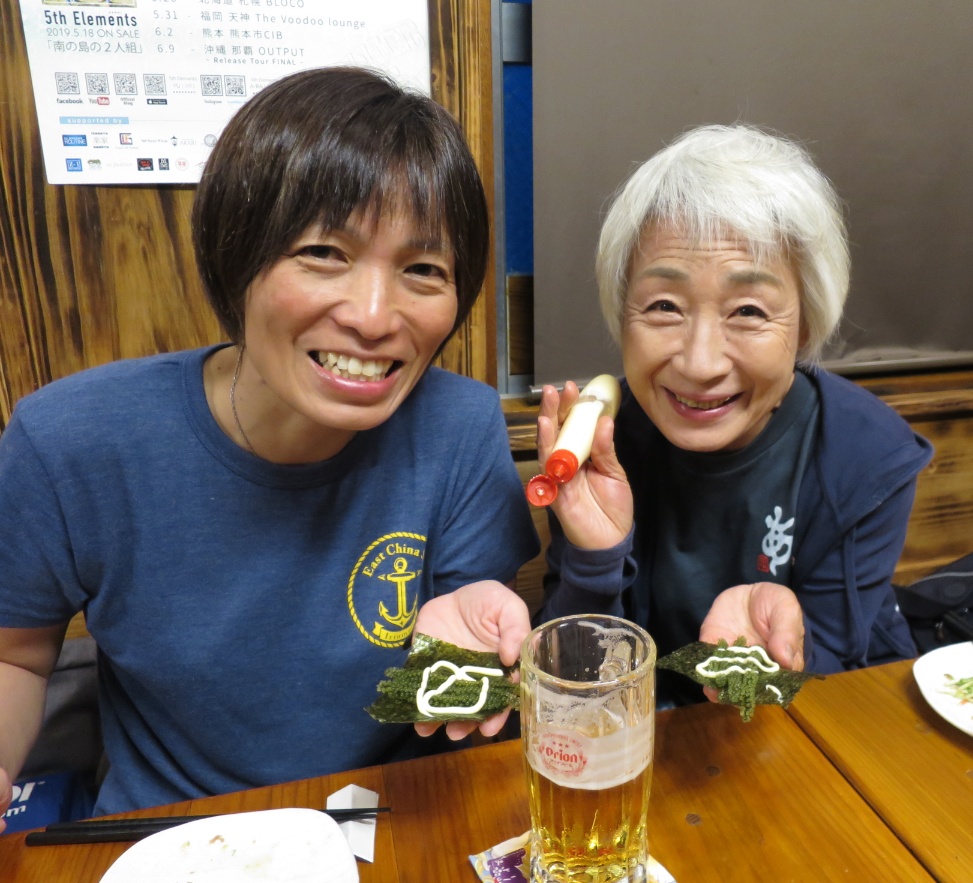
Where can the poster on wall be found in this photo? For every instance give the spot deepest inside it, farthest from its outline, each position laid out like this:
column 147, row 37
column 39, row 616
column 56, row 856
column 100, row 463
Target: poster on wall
column 137, row 91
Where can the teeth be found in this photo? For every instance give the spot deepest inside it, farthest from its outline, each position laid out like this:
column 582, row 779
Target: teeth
column 701, row 406
column 353, row 368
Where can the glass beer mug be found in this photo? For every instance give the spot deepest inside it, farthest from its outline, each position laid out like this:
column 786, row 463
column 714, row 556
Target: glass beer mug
column 588, row 728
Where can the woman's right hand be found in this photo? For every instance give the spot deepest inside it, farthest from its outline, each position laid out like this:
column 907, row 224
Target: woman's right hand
column 595, row 507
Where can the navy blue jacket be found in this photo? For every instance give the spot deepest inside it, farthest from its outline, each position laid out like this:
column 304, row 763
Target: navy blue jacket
column 853, row 511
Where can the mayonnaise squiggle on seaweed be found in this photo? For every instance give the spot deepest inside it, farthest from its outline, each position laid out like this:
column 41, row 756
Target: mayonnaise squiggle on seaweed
column 460, row 673
column 753, row 659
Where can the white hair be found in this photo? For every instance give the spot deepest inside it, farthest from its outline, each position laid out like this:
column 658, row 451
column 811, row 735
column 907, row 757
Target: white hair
column 743, row 181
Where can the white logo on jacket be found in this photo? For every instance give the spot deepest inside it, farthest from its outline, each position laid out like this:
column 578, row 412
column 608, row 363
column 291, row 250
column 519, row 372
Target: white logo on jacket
column 777, row 543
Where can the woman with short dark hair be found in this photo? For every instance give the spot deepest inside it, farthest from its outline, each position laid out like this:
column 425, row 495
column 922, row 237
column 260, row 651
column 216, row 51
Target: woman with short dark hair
column 255, row 530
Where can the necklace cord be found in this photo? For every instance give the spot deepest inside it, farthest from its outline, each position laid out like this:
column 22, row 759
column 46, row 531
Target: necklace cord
column 236, row 416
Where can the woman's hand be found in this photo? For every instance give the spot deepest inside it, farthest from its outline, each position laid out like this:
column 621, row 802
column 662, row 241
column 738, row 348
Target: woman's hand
column 595, row 507
column 763, row 613
column 484, row 616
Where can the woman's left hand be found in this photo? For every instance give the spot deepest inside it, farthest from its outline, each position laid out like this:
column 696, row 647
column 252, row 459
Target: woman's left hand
column 763, row 613
column 483, row 616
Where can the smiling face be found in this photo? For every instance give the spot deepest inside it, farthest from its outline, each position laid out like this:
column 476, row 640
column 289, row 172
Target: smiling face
column 709, row 338
column 338, row 332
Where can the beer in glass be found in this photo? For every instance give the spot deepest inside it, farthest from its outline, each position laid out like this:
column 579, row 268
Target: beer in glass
column 588, row 728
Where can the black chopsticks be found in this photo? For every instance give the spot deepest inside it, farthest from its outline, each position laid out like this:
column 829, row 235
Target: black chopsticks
column 125, row 830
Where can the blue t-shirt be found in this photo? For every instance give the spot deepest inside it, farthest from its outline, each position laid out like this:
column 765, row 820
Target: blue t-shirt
column 244, row 610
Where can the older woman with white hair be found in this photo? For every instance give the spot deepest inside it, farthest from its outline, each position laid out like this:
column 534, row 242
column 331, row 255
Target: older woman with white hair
column 742, row 489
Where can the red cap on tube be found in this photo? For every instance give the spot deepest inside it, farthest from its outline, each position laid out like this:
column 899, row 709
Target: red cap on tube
column 561, row 466
column 541, row 490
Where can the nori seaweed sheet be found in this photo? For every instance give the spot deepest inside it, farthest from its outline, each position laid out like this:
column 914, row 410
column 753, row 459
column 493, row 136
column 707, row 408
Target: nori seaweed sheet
column 397, row 695
column 744, row 689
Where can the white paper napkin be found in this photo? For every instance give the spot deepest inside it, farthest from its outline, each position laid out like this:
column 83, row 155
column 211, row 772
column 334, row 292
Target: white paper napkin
column 360, row 834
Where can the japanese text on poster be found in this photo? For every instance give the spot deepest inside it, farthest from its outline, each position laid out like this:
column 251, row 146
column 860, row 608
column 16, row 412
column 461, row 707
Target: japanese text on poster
column 137, row 91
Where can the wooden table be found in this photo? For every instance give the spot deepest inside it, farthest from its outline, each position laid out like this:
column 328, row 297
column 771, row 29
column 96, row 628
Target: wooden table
column 913, row 768
column 730, row 802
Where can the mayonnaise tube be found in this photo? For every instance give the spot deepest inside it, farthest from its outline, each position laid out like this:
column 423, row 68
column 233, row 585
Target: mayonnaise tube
column 573, row 446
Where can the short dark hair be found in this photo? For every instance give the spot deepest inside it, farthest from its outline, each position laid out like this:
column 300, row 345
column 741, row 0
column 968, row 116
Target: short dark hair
column 313, row 148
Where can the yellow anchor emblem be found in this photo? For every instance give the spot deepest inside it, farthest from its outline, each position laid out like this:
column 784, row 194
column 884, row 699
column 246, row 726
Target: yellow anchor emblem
column 400, row 577
column 396, row 558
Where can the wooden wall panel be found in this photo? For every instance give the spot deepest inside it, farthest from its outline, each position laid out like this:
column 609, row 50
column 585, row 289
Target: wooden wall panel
column 939, row 406
column 941, row 526
column 89, row 274
column 460, row 40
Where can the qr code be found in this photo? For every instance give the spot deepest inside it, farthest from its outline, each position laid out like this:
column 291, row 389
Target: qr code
column 97, row 84
column 67, row 83
column 126, row 84
column 236, row 87
column 155, row 84
column 211, row 84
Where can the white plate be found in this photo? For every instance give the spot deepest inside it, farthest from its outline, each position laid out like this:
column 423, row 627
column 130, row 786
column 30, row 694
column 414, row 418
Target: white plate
column 930, row 673
column 278, row 845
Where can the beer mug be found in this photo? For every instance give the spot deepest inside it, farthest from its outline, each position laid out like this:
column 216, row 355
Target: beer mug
column 588, row 729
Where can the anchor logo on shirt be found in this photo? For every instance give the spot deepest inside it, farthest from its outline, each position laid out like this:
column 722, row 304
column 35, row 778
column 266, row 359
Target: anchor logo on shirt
column 400, row 577
column 395, row 559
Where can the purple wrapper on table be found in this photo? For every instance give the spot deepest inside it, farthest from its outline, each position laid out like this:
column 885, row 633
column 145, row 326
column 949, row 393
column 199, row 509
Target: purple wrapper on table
column 509, row 862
